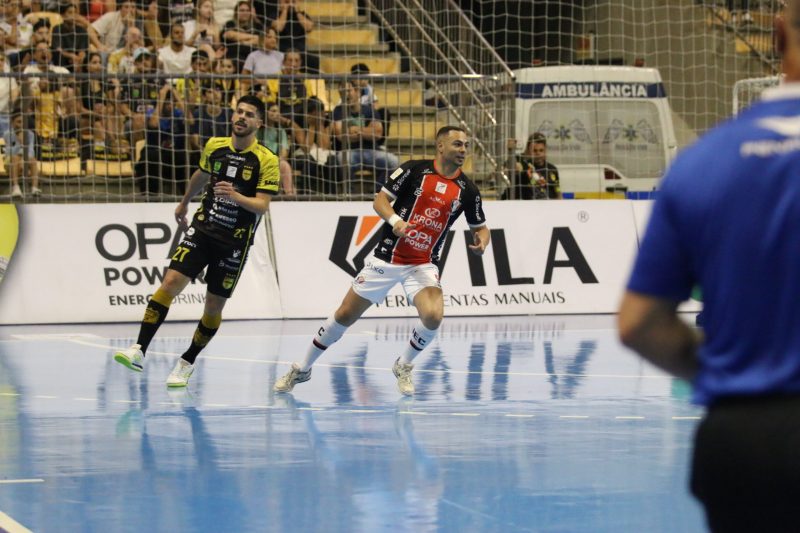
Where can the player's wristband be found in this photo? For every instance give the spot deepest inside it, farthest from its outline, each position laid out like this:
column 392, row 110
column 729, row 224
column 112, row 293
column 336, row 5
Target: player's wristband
column 394, row 219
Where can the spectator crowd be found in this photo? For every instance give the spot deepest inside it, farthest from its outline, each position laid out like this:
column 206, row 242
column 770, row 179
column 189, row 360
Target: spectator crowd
column 149, row 82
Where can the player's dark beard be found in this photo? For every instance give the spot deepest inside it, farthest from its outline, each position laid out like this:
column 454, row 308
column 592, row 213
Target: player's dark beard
column 241, row 134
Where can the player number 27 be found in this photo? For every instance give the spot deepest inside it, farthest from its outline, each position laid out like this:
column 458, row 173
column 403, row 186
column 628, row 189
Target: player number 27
column 180, row 254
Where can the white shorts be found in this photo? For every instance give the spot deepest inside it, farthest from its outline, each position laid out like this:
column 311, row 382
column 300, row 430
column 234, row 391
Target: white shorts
column 377, row 278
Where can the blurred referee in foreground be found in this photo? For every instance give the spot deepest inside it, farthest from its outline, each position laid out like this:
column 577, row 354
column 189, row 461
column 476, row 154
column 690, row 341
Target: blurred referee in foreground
column 728, row 219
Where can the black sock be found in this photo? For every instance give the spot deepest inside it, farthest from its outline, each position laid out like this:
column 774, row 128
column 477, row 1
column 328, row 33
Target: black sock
column 205, row 331
column 154, row 315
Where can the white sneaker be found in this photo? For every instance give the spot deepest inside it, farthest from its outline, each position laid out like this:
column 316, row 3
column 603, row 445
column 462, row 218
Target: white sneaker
column 179, row 377
column 132, row 357
column 16, row 192
column 36, row 191
column 402, row 372
column 292, row 378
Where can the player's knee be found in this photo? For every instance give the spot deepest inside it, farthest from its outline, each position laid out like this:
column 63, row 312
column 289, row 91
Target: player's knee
column 432, row 318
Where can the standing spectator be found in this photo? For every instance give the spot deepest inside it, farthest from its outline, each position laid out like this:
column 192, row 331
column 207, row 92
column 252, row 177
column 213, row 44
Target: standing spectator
column 9, row 89
column 316, row 160
column 292, row 25
column 98, row 8
column 274, row 137
column 121, row 60
column 176, row 57
column 165, row 158
column 264, row 62
column 109, row 127
column 92, row 94
column 240, row 35
column 735, row 236
column 189, row 88
column 46, row 92
column 112, row 27
column 203, row 32
column 212, row 119
column 356, row 131
column 140, row 95
column 533, row 177
column 230, row 87
column 21, row 156
column 70, row 40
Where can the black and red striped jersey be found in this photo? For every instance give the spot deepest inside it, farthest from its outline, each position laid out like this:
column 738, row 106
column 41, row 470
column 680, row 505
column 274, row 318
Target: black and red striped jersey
column 424, row 197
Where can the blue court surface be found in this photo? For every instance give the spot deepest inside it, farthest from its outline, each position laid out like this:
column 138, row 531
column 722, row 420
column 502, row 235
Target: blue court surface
column 519, row 424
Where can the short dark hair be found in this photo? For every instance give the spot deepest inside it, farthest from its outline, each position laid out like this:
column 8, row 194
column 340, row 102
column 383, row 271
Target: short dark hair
column 537, row 137
column 256, row 102
column 359, row 68
column 199, row 54
column 41, row 23
column 444, row 130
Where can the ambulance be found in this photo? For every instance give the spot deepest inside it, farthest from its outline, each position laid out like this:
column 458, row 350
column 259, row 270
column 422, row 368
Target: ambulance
column 609, row 129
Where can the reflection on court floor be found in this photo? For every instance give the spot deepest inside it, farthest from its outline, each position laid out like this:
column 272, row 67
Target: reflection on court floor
column 518, row 424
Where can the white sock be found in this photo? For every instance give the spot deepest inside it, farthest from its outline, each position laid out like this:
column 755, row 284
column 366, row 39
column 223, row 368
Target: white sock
column 420, row 338
column 330, row 332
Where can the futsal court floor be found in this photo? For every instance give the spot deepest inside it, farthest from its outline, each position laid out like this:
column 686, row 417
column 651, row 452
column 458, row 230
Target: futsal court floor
column 542, row 424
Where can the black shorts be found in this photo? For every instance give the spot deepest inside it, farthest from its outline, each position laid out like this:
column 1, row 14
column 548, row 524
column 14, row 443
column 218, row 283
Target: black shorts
column 224, row 261
column 746, row 465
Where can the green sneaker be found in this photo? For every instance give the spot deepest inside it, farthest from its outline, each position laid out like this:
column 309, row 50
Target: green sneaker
column 132, row 357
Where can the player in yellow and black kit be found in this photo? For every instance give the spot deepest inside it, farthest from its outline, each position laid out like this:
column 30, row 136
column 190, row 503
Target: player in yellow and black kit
column 239, row 176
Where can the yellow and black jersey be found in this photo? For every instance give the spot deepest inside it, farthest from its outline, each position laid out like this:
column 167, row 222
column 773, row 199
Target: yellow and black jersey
column 252, row 170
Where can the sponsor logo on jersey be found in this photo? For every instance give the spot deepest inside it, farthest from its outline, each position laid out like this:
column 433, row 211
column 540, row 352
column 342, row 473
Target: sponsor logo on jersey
column 432, row 212
column 441, row 188
column 247, row 173
column 217, row 166
column 227, row 283
column 426, row 222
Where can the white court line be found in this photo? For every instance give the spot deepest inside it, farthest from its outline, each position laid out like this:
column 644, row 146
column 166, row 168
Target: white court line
column 12, row 526
column 629, row 417
column 45, row 397
column 127, row 401
column 509, row 415
column 15, row 481
column 85, row 399
column 419, row 370
column 464, row 414
column 359, row 411
column 10, row 394
column 576, row 417
column 420, row 413
column 686, row 417
column 217, row 405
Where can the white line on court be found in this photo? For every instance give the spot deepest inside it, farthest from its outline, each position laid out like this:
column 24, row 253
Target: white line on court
column 10, row 525
column 576, row 417
column 464, row 414
column 510, row 415
column 84, row 341
column 45, row 397
column 15, row 481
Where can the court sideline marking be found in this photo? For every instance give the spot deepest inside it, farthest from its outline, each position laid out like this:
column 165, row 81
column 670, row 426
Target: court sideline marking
column 8, row 524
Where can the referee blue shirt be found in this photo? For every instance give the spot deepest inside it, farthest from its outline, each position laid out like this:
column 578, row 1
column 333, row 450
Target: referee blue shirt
column 728, row 218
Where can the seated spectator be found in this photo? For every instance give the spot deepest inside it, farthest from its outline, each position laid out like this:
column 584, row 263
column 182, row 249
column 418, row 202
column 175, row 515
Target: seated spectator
column 70, row 40
column 121, row 60
column 224, row 10
column 180, row 11
column 165, row 158
column 274, row 137
column 240, row 35
column 9, row 89
column 264, row 62
column 356, row 133
column 20, row 156
column 292, row 25
column 230, row 87
column 176, row 57
column 315, row 158
column 98, row 8
column 139, row 95
column 203, row 32
column 532, row 176
column 367, row 92
column 111, row 27
column 17, row 29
